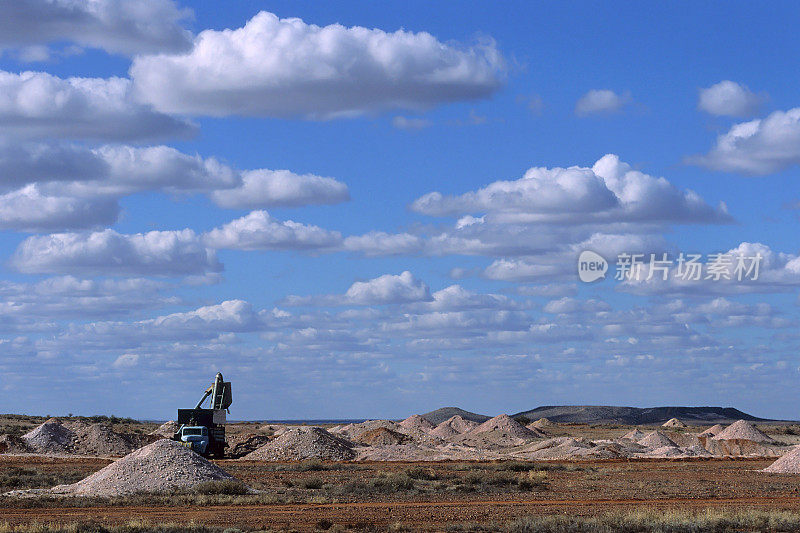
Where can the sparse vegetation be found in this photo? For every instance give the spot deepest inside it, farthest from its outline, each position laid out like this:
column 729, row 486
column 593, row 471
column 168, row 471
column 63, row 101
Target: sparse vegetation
column 222, row 487
column 16, row 478
column 711, row 520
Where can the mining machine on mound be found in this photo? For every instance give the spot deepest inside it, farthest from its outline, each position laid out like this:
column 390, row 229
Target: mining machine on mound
column 203, row 429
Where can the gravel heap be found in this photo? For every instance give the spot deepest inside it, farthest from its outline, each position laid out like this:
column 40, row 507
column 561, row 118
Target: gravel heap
column 52, row 437
column 417, row 423
column 712, row 431
column 167, row 429
column 455, row 425
column 244, row 443
column 102, row 440
column 162, row 466
column 742, row 430
column 382, row 437
column 13, row 444
column 673, row 423
column 634, row 435
column 508, row 426
column 302, row 443
column 499, row 432
column 542, row 423
column 789, row 463
column 656, row 439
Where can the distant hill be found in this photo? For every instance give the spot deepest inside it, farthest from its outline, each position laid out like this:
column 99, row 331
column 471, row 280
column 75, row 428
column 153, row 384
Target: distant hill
column 440, row 415
column 607, row 414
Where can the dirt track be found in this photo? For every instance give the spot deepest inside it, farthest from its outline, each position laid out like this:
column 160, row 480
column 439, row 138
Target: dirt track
column 429, row 513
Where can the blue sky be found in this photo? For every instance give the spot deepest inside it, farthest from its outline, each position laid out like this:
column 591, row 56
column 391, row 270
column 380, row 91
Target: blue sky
column 350, row 220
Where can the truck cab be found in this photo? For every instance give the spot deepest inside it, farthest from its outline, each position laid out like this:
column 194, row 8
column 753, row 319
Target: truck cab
column 194, row 437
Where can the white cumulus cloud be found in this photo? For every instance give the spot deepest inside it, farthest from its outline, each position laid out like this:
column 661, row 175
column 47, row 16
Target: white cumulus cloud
column 37, row 104
column 27, row 209
column 286, row 68
column 757, row 147
column 728, row 98
column 601, row 101
column 281, row 188
column 156, row 253
column 260, row 231
column 117, row 26
column 610, row 191
column 386, row 289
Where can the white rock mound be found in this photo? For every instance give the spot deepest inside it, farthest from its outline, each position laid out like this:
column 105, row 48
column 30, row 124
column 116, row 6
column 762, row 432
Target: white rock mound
column 716, row 429
column 743, row 430
column 417, row 423
column 455, row 425
column 789, row 463
column 163, row 466
column 302, row 443
column 656, row 439
column 673, row 423
column 51, row 437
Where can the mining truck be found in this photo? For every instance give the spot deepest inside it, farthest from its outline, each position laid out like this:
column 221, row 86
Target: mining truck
column 203, row 429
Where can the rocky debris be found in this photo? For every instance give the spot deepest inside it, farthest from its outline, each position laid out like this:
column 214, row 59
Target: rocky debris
column 634, row 435
column 102, row 440
column 353, row 432
column 167, row 429
column 556, row 448
column 382, row 437
column 712, row 431
column 51, row 437
column 507, row 425
column 656, row 439
column 741, row 448
column 14, row 444
column 302, row 443
column 684, row 440
column 789, row 463
column 163, row 466
column 455, row 425
column 743, row 430
column 417, row 423
column 245, row 443
column 542, row 423
column 673, row 423
column 499, row 432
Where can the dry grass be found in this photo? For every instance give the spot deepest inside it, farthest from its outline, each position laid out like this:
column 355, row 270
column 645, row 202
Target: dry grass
column 645, row 521
column 34, row 478
column 712, row 521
